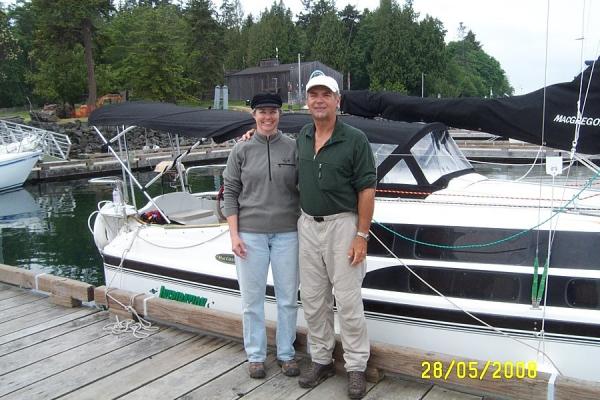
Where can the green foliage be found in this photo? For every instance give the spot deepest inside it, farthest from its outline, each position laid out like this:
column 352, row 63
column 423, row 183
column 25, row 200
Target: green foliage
column 60, row 75
column 274, row 34
column 173, row 50
column 204, row 48
column 328, row 45
column 60, row 27
column 471, row 72
column 11, row 65
column 150, row 60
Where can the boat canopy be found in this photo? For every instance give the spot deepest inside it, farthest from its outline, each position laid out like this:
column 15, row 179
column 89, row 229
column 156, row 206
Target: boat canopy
column 222, row 125
column 517, row 117
column 408, row 155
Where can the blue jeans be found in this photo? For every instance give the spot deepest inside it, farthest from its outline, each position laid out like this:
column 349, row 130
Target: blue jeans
column 281, row 250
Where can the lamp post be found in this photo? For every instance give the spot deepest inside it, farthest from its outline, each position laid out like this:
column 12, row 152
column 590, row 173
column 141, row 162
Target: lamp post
column 422, row 84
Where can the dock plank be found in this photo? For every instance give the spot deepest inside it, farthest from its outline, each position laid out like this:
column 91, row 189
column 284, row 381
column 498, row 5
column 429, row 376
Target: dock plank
column 233, row 384
column 47, row 334
column 56, row 364
column 24, row 309
column 147, row 371
column 280, row 387
column 335, row 387
column 440, row 393
column 46, row 325
column 57, row 345
column 27, row 321
column 11, row 292
column 86, row 368
column 392, row 388
column 28, row 297
column 193, row 375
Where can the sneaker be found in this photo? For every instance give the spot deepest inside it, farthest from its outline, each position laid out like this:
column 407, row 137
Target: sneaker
column 316, row 374
column 257, row 370
column 357, row 384
column 289, row 367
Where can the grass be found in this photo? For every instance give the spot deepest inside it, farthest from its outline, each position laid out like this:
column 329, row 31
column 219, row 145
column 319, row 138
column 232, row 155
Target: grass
column 9, row 113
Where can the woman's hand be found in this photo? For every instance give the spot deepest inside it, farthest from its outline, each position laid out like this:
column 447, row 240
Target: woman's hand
column 237, row 246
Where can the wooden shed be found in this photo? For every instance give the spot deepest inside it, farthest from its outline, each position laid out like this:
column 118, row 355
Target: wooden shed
column 272, row 76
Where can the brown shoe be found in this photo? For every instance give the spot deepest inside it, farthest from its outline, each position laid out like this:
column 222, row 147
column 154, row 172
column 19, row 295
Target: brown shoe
column 316, row 374
column 357, row 384
column 257, row 370
column 289, row 367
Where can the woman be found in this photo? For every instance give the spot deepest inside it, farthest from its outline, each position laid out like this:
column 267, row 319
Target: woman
column 262, row 209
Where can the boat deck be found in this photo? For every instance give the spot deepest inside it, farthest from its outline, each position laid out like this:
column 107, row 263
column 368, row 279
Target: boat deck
column 50, row 351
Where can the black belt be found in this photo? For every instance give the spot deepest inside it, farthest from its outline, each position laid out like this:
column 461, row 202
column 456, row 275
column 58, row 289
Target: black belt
column 318, row 219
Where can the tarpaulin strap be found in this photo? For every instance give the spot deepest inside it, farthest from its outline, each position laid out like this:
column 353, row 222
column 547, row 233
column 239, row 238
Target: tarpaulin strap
column 551, row 386
column 37, row 282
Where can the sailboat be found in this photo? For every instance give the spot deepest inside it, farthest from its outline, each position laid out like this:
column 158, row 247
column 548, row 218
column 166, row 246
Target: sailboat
column 458, row 264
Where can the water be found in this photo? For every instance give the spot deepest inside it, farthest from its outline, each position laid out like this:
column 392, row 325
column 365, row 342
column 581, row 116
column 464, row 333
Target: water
column 43, row 227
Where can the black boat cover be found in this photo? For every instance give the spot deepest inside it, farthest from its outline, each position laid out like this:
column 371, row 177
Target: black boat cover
column 223, row 125
column 517, row 117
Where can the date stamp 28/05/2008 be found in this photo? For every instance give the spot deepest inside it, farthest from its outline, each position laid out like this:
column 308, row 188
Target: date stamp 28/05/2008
column 479, row 370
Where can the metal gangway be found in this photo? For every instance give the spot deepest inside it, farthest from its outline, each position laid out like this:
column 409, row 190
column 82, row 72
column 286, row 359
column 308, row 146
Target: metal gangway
column 17, row 137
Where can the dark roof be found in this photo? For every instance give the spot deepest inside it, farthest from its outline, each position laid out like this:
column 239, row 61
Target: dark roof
column 276, row 68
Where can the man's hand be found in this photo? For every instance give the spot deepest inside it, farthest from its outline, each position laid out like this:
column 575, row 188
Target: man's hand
column 238, row 247
column 248, row 135
column 357, row 251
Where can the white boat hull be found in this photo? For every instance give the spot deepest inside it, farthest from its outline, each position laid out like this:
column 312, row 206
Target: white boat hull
column 195, row 260
column 15, row 168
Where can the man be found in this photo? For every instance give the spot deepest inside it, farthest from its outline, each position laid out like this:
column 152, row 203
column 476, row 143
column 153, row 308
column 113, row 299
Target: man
column 337, row 178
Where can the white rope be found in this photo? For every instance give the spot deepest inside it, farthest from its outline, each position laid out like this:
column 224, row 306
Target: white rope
column 138, row 326
column 186, row 246
column 458, row 307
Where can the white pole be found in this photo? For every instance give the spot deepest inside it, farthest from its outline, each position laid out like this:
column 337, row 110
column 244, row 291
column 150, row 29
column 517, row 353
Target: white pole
column 299, row 82
column 422, row 85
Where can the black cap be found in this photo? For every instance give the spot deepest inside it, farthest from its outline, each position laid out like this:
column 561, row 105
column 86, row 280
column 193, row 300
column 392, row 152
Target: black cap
column 266, row 100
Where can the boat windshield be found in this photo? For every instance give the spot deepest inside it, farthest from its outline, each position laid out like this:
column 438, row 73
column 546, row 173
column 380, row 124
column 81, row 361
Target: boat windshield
column 400, row 173
column 436, row 154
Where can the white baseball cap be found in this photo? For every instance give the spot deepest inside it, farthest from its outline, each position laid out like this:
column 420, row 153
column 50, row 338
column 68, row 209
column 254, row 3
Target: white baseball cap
column 323, row 80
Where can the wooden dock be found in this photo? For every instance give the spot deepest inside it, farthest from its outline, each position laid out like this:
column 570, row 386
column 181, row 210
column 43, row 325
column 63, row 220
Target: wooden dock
column 503, row 152
column 50, row 351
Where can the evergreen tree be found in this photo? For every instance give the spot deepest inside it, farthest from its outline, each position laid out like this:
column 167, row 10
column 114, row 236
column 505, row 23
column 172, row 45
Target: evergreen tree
column 11, row 65
column 204, row 48
column 273, row 35
column 61, row 26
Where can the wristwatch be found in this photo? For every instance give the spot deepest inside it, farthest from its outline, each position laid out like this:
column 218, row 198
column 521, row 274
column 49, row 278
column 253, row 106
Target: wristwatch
column 363, row 235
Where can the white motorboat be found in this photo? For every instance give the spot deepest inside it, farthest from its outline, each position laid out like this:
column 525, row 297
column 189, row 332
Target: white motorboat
column 458, row 263
column 21, row 146
column 15, row 168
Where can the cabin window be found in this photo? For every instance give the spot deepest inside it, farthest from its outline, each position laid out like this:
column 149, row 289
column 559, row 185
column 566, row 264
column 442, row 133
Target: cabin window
column 400, row 173
column 382, row 151
column 476, row 285
column 583, row 293
column 515, row 252
column 468, row 284
column 437, row 155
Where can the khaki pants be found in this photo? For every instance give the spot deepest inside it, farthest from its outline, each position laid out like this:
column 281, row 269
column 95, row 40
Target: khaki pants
column 324, row 264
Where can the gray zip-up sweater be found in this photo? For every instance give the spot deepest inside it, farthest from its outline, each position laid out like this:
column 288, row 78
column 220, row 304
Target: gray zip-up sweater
column 261, row 184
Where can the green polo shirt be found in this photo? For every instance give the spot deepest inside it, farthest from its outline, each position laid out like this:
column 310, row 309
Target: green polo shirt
column 330, row 180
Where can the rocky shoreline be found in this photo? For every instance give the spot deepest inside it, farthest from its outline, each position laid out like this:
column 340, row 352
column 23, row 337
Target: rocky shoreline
column 85, row 141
